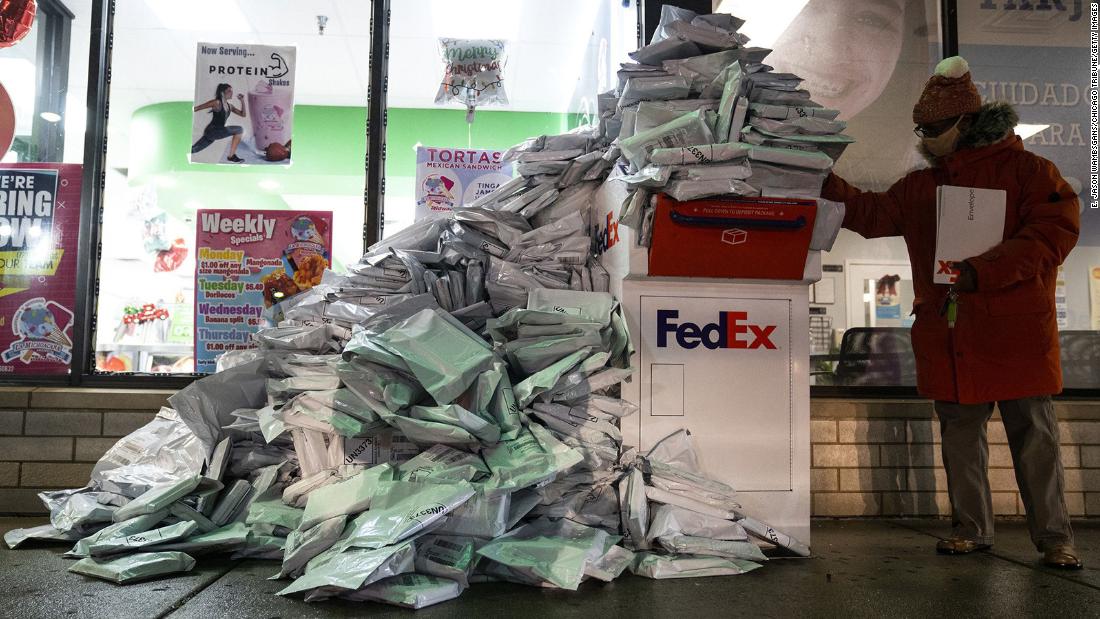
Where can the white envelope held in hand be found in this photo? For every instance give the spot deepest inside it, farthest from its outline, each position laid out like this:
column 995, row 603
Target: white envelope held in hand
column 969, row 222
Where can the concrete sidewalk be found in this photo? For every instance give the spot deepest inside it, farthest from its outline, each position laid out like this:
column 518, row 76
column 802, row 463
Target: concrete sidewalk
column 860, row 568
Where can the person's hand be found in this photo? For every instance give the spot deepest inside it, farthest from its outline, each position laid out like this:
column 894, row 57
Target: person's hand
column 968, row 278
column 240, row 97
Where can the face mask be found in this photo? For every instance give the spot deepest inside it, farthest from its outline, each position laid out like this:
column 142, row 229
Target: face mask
column 944, row 143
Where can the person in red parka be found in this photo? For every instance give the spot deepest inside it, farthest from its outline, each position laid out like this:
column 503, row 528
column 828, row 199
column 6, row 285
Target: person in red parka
column 1002, row 346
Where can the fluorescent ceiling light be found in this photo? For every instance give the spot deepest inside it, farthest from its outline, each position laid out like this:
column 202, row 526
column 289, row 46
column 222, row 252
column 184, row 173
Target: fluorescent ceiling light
column 1026, row 131
column 764, row 21
column 50, row 117
column 476, row 19
column 200, row 15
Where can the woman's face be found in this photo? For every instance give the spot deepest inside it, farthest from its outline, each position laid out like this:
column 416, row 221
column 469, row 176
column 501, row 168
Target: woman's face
column 845, row 50
column 229, row 93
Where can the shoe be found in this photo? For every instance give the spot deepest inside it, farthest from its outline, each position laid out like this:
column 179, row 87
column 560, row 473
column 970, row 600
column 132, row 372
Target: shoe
column 958, row 546
column 234, row 159
column 1062, row 556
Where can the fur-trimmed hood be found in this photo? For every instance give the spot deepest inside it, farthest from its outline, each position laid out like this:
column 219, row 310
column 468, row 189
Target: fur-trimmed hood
column 994, row 122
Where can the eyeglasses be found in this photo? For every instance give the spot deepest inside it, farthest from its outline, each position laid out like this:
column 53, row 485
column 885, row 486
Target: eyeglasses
column 923, row 131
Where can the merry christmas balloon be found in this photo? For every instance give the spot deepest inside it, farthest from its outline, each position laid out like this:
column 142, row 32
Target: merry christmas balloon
column 473, row 72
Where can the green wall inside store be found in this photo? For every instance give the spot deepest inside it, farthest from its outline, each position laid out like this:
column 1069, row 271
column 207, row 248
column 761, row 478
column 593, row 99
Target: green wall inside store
column 329, row 152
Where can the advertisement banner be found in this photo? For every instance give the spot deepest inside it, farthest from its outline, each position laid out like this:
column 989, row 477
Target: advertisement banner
column 247, row 261
column 244, row 104
column 451, row 177
column 39, row 227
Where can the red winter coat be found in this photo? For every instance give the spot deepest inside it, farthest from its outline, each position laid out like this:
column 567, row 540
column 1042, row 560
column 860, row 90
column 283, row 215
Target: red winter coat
column 1005, row 342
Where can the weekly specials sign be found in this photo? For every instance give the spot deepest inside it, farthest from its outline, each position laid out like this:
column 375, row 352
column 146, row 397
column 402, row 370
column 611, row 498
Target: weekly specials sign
column 249, row 260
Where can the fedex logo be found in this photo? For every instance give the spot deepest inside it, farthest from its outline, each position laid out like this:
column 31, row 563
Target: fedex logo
column 731, row 331
column 606, row 237
column 948, row 268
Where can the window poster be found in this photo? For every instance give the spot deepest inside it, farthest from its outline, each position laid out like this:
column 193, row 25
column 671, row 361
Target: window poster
column 244, row 104
column 1094, row 297
column 447, row 178
column 39, row 227
column 888, row 302
column 247, row 261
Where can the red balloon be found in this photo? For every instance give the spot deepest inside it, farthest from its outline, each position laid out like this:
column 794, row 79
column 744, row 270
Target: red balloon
column 16, row 17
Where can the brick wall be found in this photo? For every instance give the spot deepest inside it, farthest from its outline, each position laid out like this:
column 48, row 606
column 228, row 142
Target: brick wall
column 882, row 458
column 51, row 437
column 870, row 457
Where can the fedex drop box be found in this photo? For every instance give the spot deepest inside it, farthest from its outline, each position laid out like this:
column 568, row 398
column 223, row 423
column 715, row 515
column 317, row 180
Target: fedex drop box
column 729, row 361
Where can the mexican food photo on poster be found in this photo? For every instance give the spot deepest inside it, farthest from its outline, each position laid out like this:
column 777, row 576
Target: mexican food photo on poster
column 39, row 227
column 244, row 104
column 247, row 261
column 447, row 178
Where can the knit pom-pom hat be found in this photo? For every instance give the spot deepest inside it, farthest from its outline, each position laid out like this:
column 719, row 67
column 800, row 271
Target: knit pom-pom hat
column 948, row 93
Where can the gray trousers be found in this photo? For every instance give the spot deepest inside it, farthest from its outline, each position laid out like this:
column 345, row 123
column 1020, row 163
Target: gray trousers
column 1032, row 430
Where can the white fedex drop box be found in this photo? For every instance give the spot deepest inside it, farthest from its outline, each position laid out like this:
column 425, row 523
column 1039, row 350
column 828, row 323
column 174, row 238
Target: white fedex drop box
column 729, row 361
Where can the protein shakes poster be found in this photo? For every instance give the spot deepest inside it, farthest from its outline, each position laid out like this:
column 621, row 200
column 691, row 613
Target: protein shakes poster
column 248, row 261
column 39, row 227
column 451, row 177
column 244, row 104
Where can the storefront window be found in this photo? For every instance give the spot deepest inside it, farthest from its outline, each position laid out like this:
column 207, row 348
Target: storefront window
column 1035, row 55
column 44, row 80
column 466, row 80
column 869, row 59
column 249, row 105
column 541, row 65
column 46, row 76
